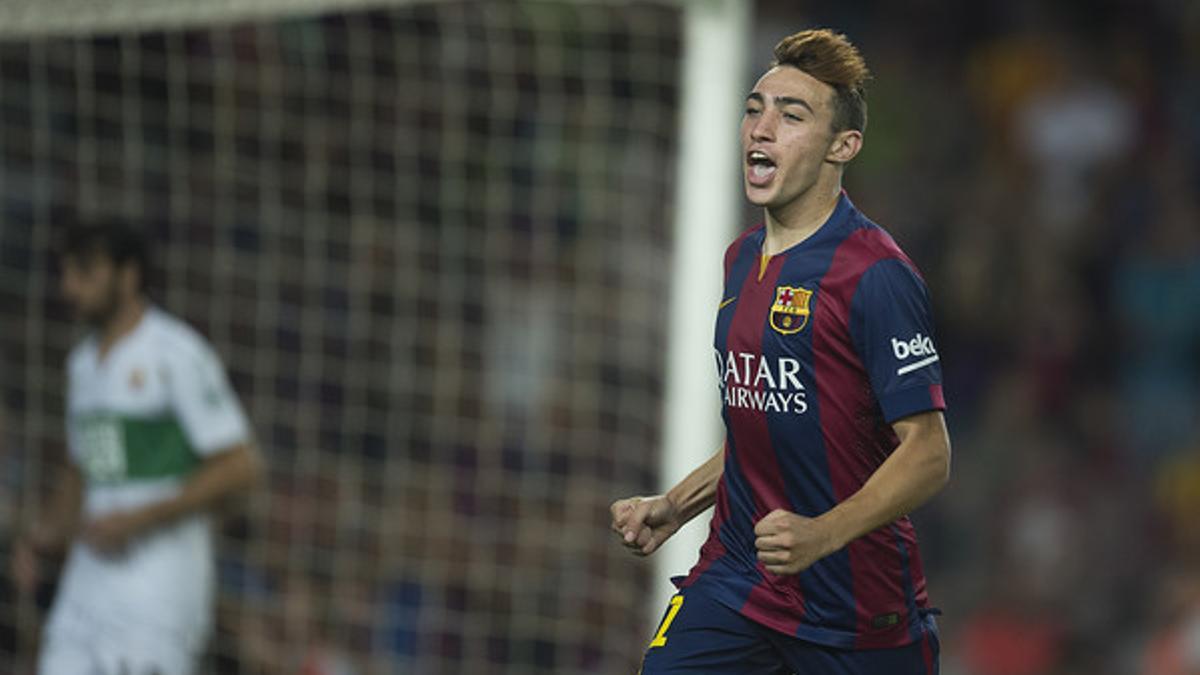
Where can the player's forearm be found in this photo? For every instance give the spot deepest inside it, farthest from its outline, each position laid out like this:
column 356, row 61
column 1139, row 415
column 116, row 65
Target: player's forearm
column 917, row 469
column 695, row 493
column 55, row 529
column 220, row 477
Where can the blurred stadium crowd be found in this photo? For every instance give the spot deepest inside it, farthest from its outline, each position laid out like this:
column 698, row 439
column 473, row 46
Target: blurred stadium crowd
column 450, row 391
column 427, row 241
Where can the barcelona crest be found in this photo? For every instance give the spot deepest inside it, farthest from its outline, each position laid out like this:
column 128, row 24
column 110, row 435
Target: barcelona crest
column 789, row 313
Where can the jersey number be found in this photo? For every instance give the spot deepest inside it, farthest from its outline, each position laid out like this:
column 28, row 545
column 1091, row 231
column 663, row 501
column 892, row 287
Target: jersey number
column 661, row 638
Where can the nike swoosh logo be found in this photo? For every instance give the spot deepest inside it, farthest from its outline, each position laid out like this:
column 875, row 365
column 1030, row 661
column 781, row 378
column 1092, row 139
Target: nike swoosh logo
column 725, row 303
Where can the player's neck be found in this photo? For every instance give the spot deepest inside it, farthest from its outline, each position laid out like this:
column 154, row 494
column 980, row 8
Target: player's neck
column 799, row 219
column 121, row 323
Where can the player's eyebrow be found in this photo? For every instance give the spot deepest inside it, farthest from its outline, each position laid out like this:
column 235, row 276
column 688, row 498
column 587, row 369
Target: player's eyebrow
column 781, row 101
column 794, row 100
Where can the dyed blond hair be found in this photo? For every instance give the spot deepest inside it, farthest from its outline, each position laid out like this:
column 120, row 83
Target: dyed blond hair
column 831, row 58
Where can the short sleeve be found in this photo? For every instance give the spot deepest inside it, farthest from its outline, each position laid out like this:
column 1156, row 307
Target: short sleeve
column 203, row 400
column 74, row 442
column 892, row 329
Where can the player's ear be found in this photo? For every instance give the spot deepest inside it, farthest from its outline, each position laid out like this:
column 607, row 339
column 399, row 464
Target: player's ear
column 845, row 146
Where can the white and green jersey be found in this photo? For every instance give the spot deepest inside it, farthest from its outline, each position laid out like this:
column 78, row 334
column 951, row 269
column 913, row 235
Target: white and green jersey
column 139, row 421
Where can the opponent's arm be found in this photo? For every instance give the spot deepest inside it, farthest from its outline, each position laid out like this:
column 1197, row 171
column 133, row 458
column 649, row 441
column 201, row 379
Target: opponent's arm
column 57, row 528
column 221, row 476
column 916, row 470
column 644, row 523
column 51, row 533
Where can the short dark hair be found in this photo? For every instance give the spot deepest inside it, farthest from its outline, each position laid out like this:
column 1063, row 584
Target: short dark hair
column 831, row 58
column 116, row 241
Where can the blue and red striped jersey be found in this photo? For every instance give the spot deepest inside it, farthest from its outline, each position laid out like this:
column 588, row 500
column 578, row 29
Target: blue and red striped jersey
column 818, row 352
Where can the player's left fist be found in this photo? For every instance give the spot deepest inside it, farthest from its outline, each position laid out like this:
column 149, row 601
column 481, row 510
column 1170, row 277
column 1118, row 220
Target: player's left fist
column 788, row 543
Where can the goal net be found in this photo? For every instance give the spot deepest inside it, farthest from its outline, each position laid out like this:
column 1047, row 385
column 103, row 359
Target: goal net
column 431, row 243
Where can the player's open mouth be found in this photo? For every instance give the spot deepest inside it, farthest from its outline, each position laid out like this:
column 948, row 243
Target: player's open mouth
column 760, row 168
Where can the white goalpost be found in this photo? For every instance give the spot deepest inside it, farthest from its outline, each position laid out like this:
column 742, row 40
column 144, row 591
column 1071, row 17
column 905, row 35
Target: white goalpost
column 707, row 202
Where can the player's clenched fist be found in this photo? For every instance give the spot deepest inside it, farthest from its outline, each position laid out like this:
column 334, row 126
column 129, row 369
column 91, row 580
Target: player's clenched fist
column 788, row 543
column 644, row 523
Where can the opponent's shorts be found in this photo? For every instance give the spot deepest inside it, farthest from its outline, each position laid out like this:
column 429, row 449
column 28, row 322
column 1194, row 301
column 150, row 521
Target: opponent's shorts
column 700, row 635
column 75, row 644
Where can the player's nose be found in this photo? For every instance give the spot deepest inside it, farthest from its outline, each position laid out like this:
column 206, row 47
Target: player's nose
column 764, row 127
column 70, row 290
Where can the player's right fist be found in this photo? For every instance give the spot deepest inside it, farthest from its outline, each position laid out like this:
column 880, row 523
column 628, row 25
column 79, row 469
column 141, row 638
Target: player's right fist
column 644, row 523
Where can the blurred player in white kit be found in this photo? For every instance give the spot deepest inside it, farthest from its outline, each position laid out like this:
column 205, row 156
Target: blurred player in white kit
column 157, row 439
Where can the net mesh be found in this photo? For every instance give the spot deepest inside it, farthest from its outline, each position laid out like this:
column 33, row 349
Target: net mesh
column 429, row 242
